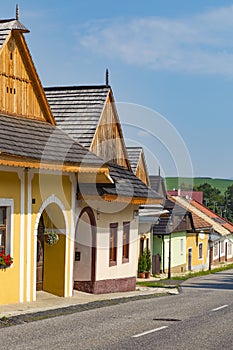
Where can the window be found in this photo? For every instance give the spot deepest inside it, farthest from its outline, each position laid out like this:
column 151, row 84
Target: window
column 113, row 244
column 125, row 247
column 200, row 250
column 2, row 229
column 181, row 246
column 141, row 246
column 222, row 247
column 216, row 249
column 229, row 248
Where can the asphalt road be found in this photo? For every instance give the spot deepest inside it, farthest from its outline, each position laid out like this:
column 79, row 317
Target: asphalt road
column 198, row 318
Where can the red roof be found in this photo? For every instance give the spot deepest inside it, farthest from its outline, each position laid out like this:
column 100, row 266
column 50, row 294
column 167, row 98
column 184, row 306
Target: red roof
column 196, row 195
column 223, row 222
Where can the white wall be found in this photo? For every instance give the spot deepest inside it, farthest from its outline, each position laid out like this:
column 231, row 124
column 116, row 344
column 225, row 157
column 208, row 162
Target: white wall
column 120, row 270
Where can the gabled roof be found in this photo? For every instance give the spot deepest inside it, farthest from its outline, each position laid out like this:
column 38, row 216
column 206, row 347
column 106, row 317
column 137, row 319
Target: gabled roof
column 157, row 184
column 32, row 139
column 77, row 109
column 204, row 214
column 138, row 163
column 134, row 154
column 14, row 28
column 223, row 222
column 198, row 221
column 7, row 25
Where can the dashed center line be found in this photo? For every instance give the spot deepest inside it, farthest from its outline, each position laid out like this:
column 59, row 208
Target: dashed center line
column 219, row 308
column 148, row 332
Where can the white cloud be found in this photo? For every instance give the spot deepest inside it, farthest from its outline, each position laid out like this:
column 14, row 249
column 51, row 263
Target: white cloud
column 198, row 44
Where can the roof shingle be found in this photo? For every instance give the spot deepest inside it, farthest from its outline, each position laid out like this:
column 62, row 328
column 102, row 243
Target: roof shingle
column 77, row 109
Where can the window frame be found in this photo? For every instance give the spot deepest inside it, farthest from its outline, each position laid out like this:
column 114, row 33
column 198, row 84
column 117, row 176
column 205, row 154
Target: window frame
column 229, row 248
column 113, row 244
column 125, row 241
column 8, row 203
column 216, row 249
column 222, row 247
column 3, row 227
column 182, row 246
column 200, row 247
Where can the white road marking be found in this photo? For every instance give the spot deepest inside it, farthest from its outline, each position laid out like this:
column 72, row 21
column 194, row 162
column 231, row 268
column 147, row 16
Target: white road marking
column 219, row 308
column 151, row 331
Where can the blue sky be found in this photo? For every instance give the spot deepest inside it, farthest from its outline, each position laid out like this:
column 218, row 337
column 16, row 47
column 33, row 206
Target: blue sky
column 171, row 57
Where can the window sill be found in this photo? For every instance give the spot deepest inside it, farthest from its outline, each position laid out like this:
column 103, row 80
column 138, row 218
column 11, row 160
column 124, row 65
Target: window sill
column 112, row 263
column 125, row 260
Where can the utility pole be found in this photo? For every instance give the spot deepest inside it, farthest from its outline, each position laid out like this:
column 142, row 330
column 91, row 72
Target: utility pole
column 169, row 256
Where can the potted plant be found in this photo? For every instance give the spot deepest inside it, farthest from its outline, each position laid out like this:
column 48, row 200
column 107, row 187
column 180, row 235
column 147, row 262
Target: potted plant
column 5, row 260
column 52, row 237
column 148, row 263
column 142, row 266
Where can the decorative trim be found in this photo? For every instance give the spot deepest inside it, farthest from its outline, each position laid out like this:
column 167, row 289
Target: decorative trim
column 21, row 176
column 72, row 233
column 9, row 202
column 29, row 233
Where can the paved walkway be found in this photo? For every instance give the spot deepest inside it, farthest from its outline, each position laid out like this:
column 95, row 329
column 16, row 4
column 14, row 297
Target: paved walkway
column 46, row 301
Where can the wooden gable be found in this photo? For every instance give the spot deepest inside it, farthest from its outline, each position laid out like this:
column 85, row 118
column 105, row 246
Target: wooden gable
column 21, row 92
column 108, row 142
column 141, row 170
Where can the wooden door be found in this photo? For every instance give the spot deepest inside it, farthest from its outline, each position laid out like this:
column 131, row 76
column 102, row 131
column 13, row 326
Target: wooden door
column 40, row 255
column 226, row 251
column 156, row 260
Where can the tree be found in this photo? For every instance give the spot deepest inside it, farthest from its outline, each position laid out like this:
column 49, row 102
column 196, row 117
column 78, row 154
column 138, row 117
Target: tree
column 228, row 203
column 212, row 197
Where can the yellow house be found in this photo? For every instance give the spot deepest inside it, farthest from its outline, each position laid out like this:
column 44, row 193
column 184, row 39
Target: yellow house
column 38, row 179
column 197, row 243
column 66, row 216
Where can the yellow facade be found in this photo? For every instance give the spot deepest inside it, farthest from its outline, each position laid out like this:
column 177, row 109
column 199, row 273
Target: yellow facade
column 196, row 251
column 10, row 185
column 31, row 195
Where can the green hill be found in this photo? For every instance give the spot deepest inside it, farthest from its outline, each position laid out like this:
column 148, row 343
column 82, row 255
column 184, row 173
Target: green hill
column 175, row 182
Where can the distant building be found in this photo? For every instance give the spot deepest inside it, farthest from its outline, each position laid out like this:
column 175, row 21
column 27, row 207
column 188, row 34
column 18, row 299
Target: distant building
column 189, row 195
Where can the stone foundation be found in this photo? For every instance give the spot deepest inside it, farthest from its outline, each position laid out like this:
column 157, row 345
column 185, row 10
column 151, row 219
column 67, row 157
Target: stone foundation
column 106, row 286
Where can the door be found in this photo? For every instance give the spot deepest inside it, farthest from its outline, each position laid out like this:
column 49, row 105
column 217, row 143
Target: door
column 226, row 251
column 40, row 255
column 156, row 260
column 190, row 259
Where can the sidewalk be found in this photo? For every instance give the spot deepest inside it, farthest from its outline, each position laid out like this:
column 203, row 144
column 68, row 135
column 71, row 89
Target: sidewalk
column 46, row 301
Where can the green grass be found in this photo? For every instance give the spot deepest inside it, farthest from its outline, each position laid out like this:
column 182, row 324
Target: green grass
column 220, row 184
column 163, row 283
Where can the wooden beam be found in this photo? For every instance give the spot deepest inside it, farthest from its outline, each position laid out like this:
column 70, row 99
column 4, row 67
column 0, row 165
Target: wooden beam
column 121, row 199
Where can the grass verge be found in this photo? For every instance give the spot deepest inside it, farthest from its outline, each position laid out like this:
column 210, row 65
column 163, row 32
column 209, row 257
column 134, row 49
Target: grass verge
column 176, row 280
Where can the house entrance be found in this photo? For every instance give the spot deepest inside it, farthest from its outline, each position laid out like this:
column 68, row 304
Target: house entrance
column 50, row 265
column 190, row 259
column 85, row 252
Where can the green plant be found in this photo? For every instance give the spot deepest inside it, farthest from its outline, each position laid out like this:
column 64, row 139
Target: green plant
column 52, row 238
column 5, row 259
column 147, row 253
column 142, row 263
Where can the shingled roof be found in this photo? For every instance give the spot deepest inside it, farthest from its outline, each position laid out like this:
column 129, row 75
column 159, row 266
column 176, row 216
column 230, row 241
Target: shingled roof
column 126, row 184
column 77, row 109
column 41, row 141
column 157, row 184
column 134, row 154
column 7, row 25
